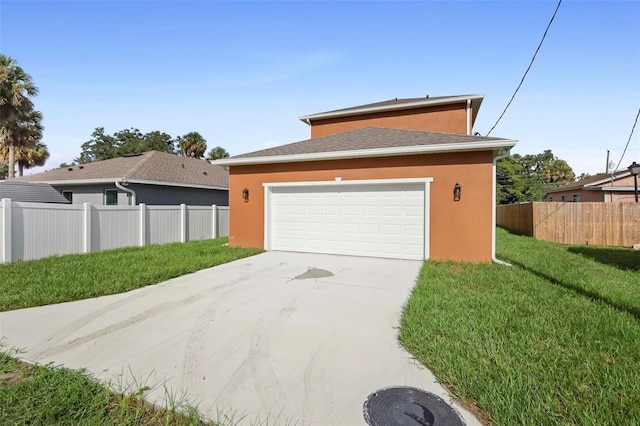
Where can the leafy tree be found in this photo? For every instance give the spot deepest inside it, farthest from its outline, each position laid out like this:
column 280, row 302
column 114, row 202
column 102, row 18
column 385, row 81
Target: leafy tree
column 583, row 175
column 4, row 171
column 216, row 153
column 509, row 180
column 159, row 141
column 16, row 107
column 99, row 147
column 529, row 177
column 125, row 142
column 192, row 145
column 533, row 164
column 557, row 171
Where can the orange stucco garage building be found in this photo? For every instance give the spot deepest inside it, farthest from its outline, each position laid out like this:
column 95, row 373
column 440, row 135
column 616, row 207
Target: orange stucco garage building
column 403, row 179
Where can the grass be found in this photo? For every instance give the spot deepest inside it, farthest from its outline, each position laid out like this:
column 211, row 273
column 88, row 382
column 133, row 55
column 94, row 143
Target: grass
column 48, row 395
column 74, row 277
column 551, row 340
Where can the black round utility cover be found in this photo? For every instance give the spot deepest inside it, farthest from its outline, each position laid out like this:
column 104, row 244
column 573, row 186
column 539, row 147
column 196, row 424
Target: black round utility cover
column 406, row 406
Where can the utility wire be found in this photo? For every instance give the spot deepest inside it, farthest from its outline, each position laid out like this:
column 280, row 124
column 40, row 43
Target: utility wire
column 627, row 145
column 528, row 68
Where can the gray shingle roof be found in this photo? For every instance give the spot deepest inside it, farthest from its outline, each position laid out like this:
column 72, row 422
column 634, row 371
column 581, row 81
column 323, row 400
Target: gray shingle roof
column 148, row 166
column 392, row 104
column 30, row 192
column 583, row 183
column 367, row 138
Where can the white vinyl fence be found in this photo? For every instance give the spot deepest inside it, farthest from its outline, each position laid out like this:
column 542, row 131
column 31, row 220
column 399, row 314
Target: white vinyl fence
column 36, row 230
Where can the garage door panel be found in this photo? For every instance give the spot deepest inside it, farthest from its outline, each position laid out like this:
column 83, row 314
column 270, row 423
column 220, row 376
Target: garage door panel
column 412, row 230
column 386, row 221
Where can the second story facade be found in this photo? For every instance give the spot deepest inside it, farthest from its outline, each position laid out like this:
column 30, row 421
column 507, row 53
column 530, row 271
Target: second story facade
column 444, row 114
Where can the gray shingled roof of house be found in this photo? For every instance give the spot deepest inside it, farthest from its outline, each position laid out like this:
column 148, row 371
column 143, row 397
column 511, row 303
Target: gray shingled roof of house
column 391, row 104
column 30, row 192
column 368, row 138
column 586, row 182
column 149, row 166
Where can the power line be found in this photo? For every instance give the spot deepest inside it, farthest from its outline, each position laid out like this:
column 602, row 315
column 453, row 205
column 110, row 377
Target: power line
column 528, row 68
column 627, row 145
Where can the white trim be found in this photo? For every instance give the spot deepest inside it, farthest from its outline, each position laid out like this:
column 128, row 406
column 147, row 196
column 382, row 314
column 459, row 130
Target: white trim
column 494, row 204
column 348, row 182
column 268, row 186
column 267, row 216
column 391, row 107
column 376, row 152
column 609, row 188
column 426, row 246
column 467, row 111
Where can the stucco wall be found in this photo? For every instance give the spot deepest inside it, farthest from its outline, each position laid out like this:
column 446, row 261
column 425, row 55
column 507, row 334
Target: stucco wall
column 443, row 118
column 167, row 195
column 458, row 230
column 93, row 194
column 148, row 194
column 617, row 197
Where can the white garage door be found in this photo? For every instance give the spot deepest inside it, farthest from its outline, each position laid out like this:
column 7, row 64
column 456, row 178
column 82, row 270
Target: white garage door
column 382, row 220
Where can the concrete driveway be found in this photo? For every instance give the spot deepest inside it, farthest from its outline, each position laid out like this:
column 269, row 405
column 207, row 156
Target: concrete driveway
column 290, row 338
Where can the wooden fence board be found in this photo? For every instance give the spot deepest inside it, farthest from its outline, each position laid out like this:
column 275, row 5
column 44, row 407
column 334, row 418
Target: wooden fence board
column 596, row 223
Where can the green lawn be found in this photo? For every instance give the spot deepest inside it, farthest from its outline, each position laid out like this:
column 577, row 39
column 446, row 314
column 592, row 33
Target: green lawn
column 74, row 277
column 552, row 340
column 56, row 396
column 47, row 395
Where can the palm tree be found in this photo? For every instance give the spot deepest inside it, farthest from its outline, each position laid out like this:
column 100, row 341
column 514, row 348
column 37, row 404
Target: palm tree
column 21, row 135
column 216, row 153
column 192, row 145
column 15, row 88
column 557, row 171
column 27, row 158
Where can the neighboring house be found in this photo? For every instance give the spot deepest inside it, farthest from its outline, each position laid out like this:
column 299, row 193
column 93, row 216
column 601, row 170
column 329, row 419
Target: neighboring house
column 403, row 192
column 602, row 187
column 153, row 178
column 30, row 192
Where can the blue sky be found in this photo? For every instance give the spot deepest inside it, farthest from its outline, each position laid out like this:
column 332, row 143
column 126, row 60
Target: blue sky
column 241, row 73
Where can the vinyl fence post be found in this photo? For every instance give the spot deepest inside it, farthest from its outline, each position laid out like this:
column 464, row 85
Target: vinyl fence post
column 183, row 222
column 214, row 219
column 5, row 223
column 143, row 224
column 86, row 244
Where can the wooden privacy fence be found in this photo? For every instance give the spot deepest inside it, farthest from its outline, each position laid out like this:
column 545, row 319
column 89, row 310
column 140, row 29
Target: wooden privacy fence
column 36, row 230
column 602, row 224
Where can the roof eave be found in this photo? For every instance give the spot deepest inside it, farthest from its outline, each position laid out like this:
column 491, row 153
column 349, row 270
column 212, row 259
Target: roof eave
column 592, row 185
column 365, row 110
column 610, row 188
column 365, row 153
column 132, row 180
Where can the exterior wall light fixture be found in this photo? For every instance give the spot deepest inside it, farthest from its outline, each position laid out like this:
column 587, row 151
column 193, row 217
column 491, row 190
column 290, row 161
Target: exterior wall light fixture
column 245, row 195
column 457, row 190
column 634, row 169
